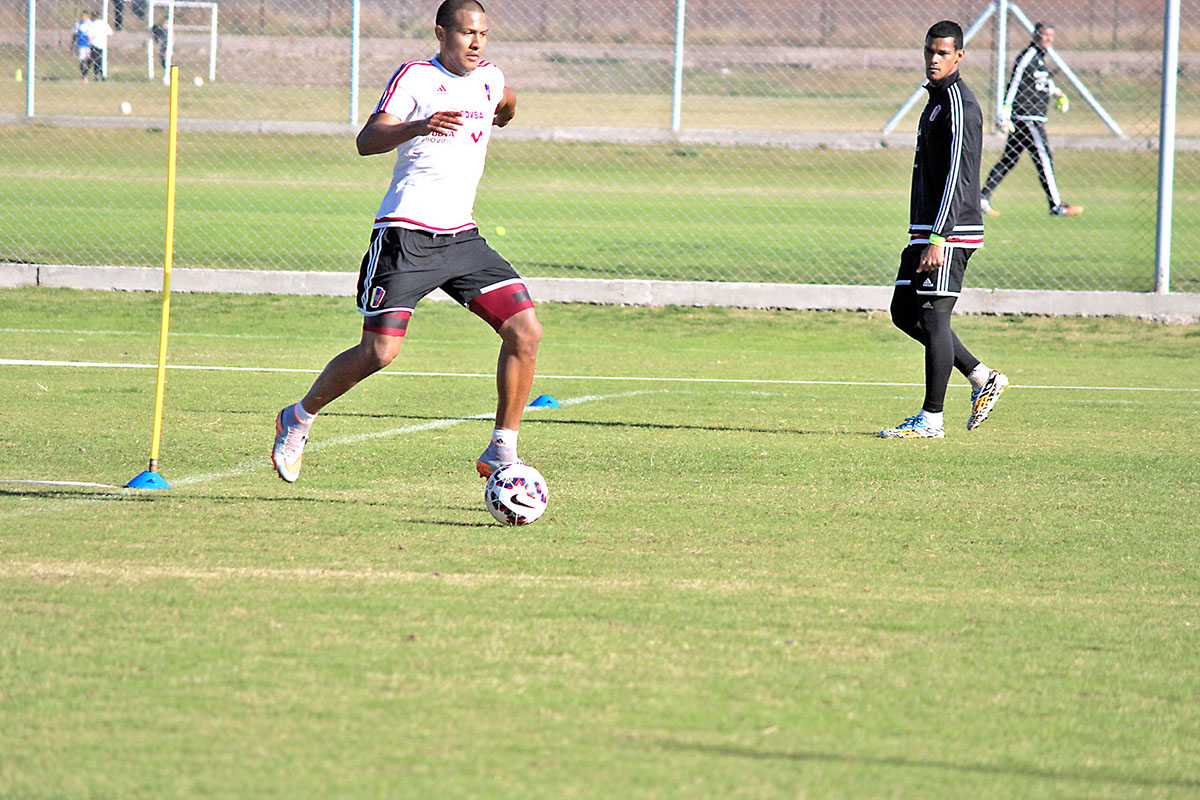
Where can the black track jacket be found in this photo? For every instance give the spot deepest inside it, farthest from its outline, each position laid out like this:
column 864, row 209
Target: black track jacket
column 945, row 182
column 1028, row 93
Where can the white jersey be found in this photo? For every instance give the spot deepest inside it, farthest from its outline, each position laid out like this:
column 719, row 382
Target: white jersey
column 98, row 32
column 436, row 176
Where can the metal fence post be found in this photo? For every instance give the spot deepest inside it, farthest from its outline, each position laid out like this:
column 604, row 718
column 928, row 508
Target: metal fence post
column 1166, row 148
column 355, row 23
column 677, row 95
column 212, row 45
column 104, row 52
column 30, row 56
column 1001, row 55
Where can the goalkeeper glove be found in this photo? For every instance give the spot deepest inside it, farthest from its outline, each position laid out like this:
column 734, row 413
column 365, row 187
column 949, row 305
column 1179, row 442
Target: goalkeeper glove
column 1004, row 120
column 1062, row 103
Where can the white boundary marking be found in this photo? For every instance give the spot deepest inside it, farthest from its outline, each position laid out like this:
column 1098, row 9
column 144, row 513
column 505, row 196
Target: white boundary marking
column 22, row 362
column 258, row 464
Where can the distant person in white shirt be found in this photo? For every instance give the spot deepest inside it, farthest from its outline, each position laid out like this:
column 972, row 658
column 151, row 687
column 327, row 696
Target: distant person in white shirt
column 437, row 116
column 98, row 31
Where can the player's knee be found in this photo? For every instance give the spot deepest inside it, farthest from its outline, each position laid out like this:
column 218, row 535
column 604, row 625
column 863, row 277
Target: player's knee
column 376, row 352
column 936, row 318
column 522, row 330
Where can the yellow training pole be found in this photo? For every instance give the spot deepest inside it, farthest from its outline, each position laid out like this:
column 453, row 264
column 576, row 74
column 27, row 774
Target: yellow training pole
column 150, row 478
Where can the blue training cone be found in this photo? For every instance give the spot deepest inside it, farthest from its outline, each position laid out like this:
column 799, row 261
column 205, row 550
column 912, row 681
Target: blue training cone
column 148, row 480
column 545, row 401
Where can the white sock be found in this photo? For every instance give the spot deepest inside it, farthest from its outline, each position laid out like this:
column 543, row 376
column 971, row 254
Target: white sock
column 932, row 418
column 302, row 416
column 504, row 437
column 979, row 375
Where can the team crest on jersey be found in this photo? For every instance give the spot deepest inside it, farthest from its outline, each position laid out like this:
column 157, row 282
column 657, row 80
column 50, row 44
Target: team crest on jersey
column 377, row 296
column 488, row 89
column 934, row 113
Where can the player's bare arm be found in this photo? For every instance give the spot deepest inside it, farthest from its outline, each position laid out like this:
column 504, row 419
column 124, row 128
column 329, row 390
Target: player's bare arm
column 385, row 132
column 933, row 257
column 507, row 109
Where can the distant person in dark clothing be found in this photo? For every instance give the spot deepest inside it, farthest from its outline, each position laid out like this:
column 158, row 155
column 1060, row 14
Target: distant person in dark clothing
column 945, row 228
column 159, row 32
column 1023, row 118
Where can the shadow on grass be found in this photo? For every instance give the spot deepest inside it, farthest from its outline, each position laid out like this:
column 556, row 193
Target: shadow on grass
column 439, row 523
column 59, row 492
column 664, row 426
column 799, row 756
column 164, row 496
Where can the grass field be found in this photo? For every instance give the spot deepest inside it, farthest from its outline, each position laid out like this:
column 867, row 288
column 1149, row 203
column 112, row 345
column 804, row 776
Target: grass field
column 577, row 210
column 737, row 591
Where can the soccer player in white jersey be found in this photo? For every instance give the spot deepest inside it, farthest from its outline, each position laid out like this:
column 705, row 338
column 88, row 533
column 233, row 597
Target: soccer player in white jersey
column 437, row 116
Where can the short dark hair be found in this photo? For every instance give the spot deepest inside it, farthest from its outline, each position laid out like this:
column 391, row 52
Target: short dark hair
column 947, row 29
column 447, row 13
column 1040, row 26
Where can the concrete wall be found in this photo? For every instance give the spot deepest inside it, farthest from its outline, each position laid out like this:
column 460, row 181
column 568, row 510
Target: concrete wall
column 1179, row 308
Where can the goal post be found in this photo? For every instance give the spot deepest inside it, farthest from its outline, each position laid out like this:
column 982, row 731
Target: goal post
column 172, row 27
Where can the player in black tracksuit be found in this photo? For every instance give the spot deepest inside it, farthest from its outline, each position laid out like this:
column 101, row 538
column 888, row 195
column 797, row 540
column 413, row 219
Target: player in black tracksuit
column 945, row 227
column 1024, row 118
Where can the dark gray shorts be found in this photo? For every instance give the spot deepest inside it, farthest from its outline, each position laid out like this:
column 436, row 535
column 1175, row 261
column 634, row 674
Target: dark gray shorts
column 401, row 266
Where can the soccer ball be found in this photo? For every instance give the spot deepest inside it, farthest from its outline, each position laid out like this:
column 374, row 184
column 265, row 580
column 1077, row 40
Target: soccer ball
column 516, row 494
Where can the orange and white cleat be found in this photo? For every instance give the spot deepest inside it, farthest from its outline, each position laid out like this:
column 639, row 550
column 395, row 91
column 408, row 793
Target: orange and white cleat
column 495, row 458
column 290, row 438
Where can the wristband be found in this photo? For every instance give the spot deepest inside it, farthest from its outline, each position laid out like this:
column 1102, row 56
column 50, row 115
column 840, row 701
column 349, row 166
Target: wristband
column 940, row 241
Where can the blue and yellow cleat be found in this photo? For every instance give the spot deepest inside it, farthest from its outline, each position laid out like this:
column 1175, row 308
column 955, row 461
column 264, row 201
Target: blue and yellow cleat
column 983, row 399
column 912, row 428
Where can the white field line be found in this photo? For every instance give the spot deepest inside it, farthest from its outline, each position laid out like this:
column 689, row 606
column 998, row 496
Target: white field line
column 22, row 362
column 259, row 464
column 154, row 334
column 332, row 337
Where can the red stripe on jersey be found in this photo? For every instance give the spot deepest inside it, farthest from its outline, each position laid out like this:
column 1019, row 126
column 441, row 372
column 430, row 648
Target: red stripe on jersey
column 949, row 239
column 431, row 228
column 396, row 76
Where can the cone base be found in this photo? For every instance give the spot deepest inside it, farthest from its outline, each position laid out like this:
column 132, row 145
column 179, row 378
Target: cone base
column 148, row 480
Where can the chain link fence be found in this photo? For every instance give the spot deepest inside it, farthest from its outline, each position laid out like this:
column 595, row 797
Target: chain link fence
column 759, row 156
